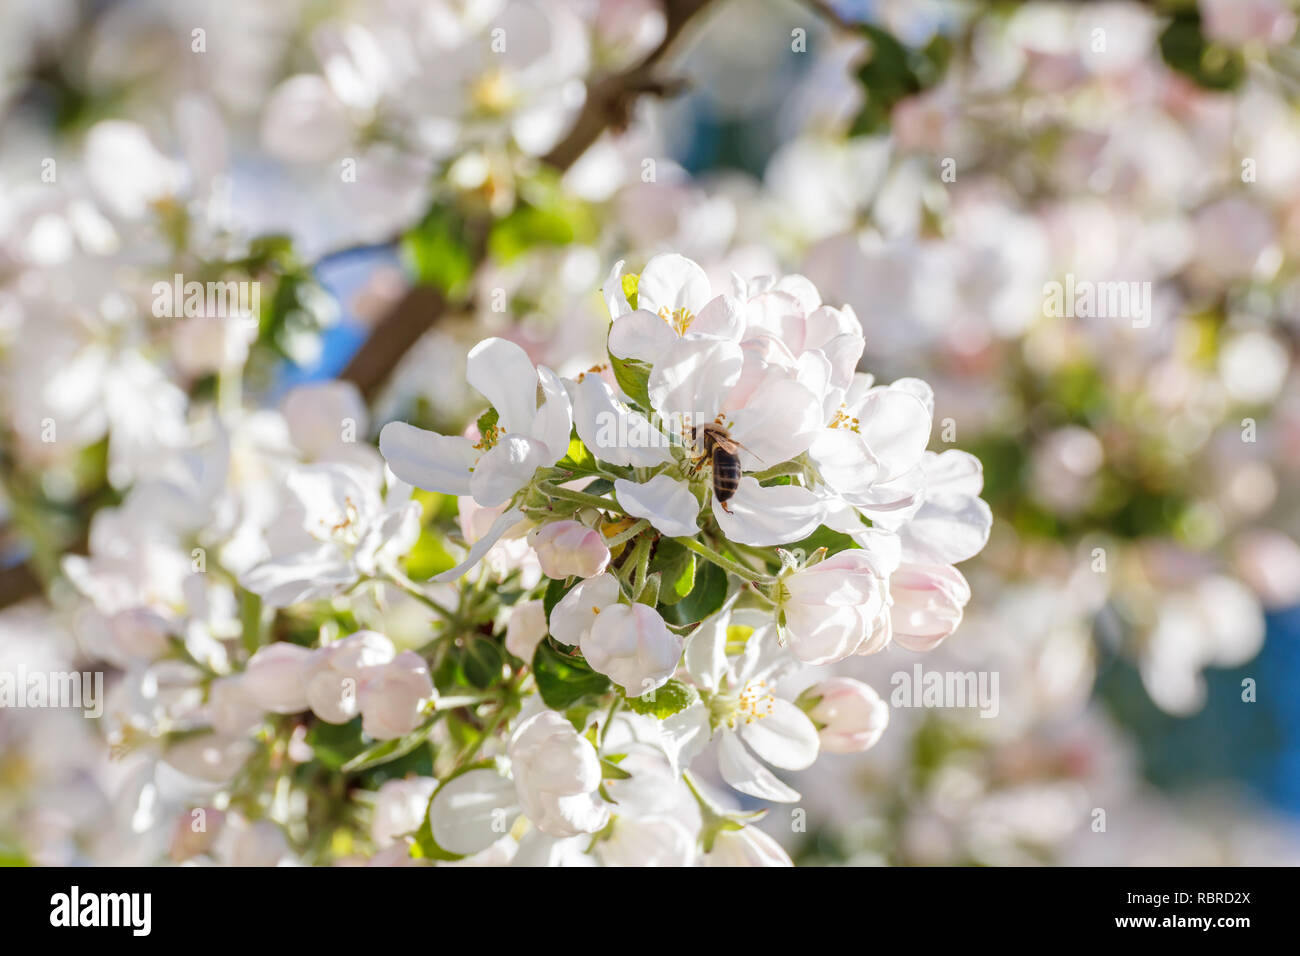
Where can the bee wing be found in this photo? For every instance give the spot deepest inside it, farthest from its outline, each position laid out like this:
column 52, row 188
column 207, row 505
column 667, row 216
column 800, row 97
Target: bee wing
column 731, row 445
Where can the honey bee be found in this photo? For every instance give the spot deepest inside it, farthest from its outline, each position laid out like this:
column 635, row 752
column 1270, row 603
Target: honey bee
column 721, row 451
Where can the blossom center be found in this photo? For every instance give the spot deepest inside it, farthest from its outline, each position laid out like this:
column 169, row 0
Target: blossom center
column 843, row 419
column 753, row 703
column 679, row 320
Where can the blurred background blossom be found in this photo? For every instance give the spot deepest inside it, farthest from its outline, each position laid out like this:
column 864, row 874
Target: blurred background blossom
column 936, row 166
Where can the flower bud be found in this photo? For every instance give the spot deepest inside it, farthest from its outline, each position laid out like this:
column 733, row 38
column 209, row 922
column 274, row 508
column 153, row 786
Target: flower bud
column 569, row 548
column 849, row 715
column 557, row 774
column 273, row 678
column 831, row 607
column 927, row 604
column 392, row 697
column 399, row 809
column 334, row 673
column 576, row 612
column 526, row 629
column 232, row 711
column 632, row 646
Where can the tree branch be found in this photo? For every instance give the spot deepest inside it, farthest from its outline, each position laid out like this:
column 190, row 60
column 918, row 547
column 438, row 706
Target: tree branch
column 608, row 106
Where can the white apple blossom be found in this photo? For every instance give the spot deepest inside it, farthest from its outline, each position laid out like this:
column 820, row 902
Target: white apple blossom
column 569, row 548
column 392, row 696
column 849, row 715
column 333, row 675
column 556, row 774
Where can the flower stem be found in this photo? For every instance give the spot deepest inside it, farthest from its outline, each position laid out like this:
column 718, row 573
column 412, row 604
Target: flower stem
column 627, row 535
column 725, row 563
column 579, row 497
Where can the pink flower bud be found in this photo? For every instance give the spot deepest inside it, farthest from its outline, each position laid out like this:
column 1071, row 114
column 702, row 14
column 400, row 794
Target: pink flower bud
column 273, row 678
column 831, row 607
column 567, row 548
column 392, row 697
column 928, row 603
column 850, row 716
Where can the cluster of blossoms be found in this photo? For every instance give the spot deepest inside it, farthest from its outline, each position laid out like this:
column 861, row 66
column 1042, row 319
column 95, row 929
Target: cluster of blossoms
column 839, row 538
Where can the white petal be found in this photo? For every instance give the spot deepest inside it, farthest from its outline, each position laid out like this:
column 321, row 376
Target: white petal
column 506, row 468
column 777, row 424
column 483, row 545
column 953, row 472
column 672, row 282
column 896, row 427
column 640, row 335
column 575, row 613
column 426, row 459
column 666, row 503
column 786, row 738
column 694, row 376
column 554, row 420
column 746, row 774
column 615, row 300
column 946, row 529
column 766, row 516
column 613, row 431
column 464, row 815
column 706, row 650
column 505, row 376
column 843, row 460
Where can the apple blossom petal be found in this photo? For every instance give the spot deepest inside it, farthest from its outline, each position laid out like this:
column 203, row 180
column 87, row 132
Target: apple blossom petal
column 946, row 529
column 672, row 282
column 761, row 517
column 640, row 335
column 428, row 460
column 505, row 469
column 575, row 613
column 778, row 423
column 743, row 772
column 506, row 377
column 666, row 503
column 554, row 419
column 613, row 431
column 896, row 427
column 504, row 522
column 467, row 811
column 785, row 738
column 694, row 377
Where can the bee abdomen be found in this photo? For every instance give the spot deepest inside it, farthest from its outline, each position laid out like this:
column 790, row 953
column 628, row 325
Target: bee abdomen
column 726, row 474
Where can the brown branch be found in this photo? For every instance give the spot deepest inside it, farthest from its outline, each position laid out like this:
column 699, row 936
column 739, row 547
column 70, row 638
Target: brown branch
column 608, row 106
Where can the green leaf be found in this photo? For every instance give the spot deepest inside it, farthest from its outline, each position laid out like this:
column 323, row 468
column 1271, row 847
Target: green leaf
column 1185, row 48
column 336, row 744
column 564, row 679
column 437, row 252
column 707, row 595
column 892, row 72
column 386, row 750
column 676, row 567
column 548, row 218
column 578, row 458
column 482, row 661
column 650, row 595
column 601, row 486
column 633, row 378
column 487, row 422
column 555, row 591
column 631, row 282
column 612, row 771
column 833, row 541
column 665, row 701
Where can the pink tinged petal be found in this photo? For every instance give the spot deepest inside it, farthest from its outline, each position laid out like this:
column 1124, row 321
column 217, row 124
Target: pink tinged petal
column 631, row 645
column 825, row 324
column 802, row 290
column 504, row 522
column 824, row 635
column 505, row 376
column 641, row 335
column 890, row 503
column 506, row 468
column 785, row 738
column 694, row 377
column 919, row 388
column 928, row 601
column 667, row 504
column 614, row 432
column 723, row 318
column 467, row 811
column 743, row 772
column 843, row 353
column 428, row 460
column 777, row 424
column 896, row 427
column 575, row 613
column 761, row 517
column 554, row 419
column 946, row 529
column 778, row 315
column 673, row 282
